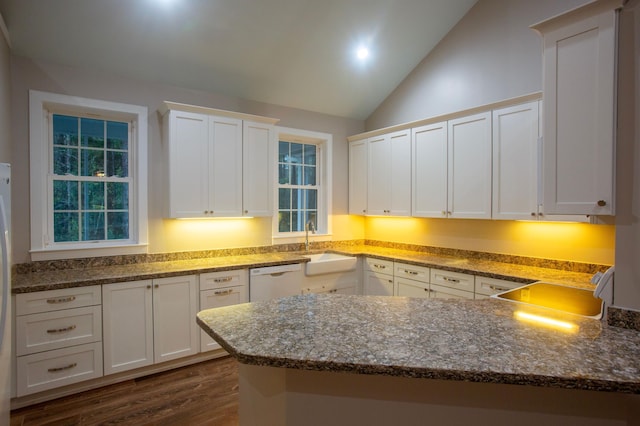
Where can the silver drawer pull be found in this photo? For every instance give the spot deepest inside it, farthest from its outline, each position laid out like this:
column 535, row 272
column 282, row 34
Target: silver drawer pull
column 222, row 280
column 223, row 292
column 451, row 280
column 333, row 290
column 375, row 265
column 61, row 300
column 496, row 288
column 410, row 272
column 61, row 330
column 67, row 367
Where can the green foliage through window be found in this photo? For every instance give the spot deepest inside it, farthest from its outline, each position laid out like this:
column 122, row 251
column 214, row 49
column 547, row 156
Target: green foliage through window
column 297, row 186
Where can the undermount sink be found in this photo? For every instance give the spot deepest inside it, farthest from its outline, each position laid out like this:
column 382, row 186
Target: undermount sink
column 328, row 263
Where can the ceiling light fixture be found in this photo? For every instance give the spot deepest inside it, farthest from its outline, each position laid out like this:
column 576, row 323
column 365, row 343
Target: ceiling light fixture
column 362, row 53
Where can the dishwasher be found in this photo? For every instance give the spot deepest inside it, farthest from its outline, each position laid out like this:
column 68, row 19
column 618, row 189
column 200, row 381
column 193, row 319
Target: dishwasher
column 273, row 282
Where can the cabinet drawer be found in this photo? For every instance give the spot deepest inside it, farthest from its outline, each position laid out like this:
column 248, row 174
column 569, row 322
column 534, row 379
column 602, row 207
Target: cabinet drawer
column 58, row 329
column 412, row 272
column 52, row 369
column 442, row 292
column 379, row 266
column 488, row 286
column 55, row 300
column 411, row 288
column 223, row 297
column 221, row 279
column 454, row 280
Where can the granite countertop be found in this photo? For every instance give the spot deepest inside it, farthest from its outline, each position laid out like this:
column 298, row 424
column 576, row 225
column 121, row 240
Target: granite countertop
column 96, row 275
column 465, row 340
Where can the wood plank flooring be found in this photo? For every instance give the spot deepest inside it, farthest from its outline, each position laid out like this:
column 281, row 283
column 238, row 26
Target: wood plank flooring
column 200, row 394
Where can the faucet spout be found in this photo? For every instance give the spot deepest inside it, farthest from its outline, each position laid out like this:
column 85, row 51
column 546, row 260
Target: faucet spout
column 308, row 226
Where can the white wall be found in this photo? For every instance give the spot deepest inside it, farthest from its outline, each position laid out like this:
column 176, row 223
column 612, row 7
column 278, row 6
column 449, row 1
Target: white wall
column 166, row 235
column 5, row 98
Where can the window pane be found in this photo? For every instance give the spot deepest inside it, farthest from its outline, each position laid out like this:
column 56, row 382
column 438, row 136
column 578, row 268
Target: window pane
column 283, row 152
column 296, row 199
column 92, row 162
column 65, row 130
column 296, row 153
column 65, row 195
column 296, row 175
column 309, row 175
column 311, row 196
column 117, row 135
column 92, row 132
column 117, row 163
column 310, row 154
column 65, row 161
column 92, row 196
column 312, row 216
column 65, row 227
column 297, row 221
column 284, row 221
column 117, row 196
column 284, row 199
column 118, row 225
column 92, row 226
column 283, row 174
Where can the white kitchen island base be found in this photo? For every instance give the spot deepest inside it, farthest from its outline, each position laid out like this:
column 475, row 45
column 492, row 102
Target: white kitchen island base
column 281, row 396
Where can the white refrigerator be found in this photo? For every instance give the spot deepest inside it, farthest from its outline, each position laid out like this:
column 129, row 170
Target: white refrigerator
column 5, row 292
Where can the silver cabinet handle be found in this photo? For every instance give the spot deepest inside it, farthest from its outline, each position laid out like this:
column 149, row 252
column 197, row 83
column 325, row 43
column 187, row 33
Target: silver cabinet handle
column 61, row 300
column 222, row 280
column 67, row 367
column 375, row 265
column 497, row 288
column 451, row 280
column 61, row 330
column 410, row 272
column 223, row 292
column 602, row 203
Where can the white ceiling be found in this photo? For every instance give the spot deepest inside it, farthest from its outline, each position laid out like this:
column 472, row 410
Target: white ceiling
column 296, row 53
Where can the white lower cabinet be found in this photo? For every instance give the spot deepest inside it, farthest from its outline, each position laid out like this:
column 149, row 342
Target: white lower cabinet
column 150, row 321
column 486, row 286
column 411, row 280
column 378, row 277
column 58, row 338
column 218, row 289
column 454, row 285
column 332, row 283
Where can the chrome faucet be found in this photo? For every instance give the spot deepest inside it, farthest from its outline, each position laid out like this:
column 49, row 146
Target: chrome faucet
column 308, row 226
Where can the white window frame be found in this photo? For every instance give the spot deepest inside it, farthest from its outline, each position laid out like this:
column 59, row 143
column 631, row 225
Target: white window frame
column 324, row 142
column 42, row 245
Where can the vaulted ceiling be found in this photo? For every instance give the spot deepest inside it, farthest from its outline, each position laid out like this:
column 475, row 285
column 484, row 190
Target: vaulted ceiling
column 296, row 53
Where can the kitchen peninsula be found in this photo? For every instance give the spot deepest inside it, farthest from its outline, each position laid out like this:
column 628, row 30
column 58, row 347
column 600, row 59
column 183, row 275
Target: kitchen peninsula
column 339, row 359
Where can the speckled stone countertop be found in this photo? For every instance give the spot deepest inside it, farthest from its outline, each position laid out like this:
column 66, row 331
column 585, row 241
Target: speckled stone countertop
column 464, row 340
column 484, row 264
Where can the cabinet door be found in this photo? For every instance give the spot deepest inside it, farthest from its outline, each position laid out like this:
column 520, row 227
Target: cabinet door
column 579, row 91
column 218, row 298
column 358, row 177
column 188, row 147
column 175, row 331
column 411, row 288
column 225, row 172
column 469, row 161
column 379, row 176
column 429, row 171
column 378, row 284
column 515, row 162
column 400, row 204
column 127, row 318
column 258, row 141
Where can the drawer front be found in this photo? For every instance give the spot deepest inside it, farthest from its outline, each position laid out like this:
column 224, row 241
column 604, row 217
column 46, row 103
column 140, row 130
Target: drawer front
column 212, row 280
column 454, row 280
column 55, row 300
column 218, row 298
column 58, row 329
column 379, row 266
column 412, row 272
column 52, row 369
column 442, row 292
column 488, row 286
column 411, row 288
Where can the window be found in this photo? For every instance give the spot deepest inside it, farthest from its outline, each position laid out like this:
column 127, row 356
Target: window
column 88, row 177
column 303, row 186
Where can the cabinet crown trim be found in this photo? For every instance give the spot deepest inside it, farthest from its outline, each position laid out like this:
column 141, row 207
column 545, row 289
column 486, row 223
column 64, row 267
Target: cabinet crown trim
column 581, row 12
column 168, row 106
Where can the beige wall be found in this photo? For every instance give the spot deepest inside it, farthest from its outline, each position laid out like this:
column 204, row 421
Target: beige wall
column 5, row 98
column 167, row 235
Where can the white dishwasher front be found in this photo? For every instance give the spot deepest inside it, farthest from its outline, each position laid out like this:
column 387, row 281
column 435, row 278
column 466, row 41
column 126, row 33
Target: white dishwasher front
column 273, row 282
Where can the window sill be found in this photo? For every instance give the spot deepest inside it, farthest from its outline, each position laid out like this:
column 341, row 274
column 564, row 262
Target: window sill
column 299, row 238
column 75, row 252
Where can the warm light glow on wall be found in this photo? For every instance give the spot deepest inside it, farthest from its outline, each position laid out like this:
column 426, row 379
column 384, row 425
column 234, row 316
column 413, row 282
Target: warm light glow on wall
column 392, row 228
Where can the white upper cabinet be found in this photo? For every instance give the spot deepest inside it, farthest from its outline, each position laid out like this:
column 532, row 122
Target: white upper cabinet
column 225, row 172
column 429, row 183
column 515, row 162
column 389, row 174
column 358, row 166
column 469, row 167
column 579, row 83
column 259, row 141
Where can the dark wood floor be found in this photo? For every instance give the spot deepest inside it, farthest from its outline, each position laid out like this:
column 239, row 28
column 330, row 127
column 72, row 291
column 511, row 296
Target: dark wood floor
column 201, row 394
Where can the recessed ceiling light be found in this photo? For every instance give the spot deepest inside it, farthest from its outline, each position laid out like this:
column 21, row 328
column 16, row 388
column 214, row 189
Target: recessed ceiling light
column 362, row 53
